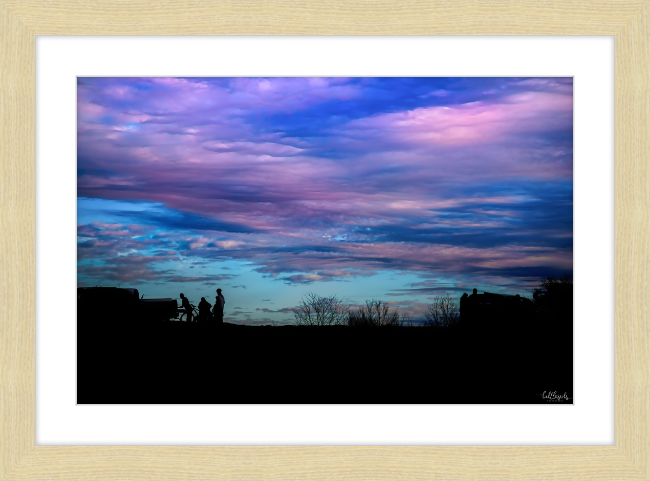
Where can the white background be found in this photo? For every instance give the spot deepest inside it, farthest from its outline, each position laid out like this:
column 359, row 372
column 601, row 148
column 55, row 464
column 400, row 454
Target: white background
column 590, row 421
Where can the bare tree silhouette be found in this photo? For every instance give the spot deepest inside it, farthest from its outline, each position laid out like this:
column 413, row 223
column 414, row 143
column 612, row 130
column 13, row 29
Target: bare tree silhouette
column 315, row 310
column 375, row 314
column 442, row 313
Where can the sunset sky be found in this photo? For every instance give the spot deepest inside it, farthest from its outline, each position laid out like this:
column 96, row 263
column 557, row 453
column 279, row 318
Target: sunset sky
column 397, row 189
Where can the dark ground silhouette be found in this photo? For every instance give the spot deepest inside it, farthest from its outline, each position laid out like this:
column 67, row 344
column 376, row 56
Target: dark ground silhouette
column 198, row 363
column 499, row 350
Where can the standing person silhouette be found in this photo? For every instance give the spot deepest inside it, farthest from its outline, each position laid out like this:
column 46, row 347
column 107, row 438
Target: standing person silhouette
column 187, row 306
column 219, row 303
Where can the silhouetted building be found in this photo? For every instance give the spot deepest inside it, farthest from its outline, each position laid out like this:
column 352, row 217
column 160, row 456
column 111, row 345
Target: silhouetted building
column 116, row 304
column 490, row 310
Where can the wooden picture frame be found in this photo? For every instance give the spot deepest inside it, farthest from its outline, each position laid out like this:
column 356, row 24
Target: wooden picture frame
column 627, row 20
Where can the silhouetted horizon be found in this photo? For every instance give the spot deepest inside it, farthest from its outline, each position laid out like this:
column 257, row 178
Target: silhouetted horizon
column 551, row 300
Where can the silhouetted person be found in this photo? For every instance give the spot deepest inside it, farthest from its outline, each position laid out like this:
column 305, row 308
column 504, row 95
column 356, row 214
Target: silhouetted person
column 204, row 310
column 187, row 306
column 219, row 303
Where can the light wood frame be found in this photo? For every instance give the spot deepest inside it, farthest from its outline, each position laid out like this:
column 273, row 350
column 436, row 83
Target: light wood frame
column 20, row 21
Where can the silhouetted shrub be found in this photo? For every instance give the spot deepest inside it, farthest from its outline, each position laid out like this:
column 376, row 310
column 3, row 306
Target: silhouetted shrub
column 375, row 314
column 553, row 298
column 315, row 310
column 442, row 312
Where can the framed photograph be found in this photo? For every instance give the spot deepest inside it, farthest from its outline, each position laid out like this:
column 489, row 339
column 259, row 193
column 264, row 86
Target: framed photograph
column 281, row 192
column 320, row 178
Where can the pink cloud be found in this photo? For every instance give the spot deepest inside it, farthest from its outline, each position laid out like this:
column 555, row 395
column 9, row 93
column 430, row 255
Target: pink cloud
column 472, row 123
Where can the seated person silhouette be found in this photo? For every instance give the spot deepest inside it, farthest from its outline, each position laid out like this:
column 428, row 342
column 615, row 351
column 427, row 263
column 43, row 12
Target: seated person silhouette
column 187, row 306
column 204, row 310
